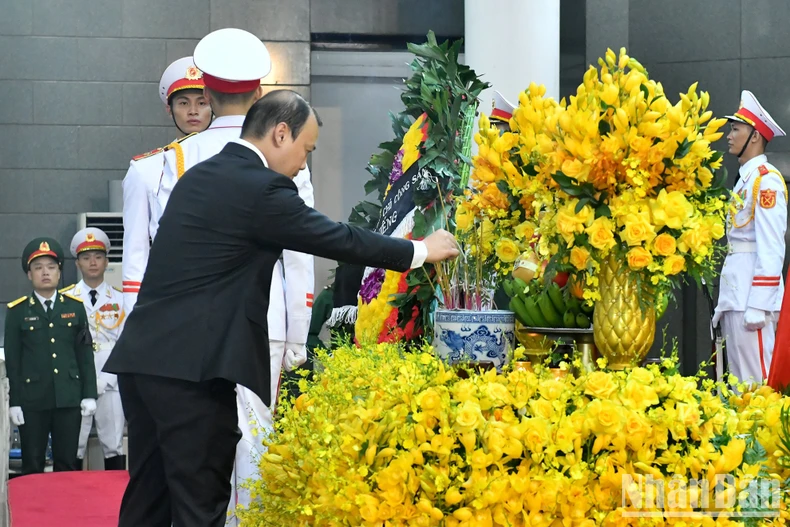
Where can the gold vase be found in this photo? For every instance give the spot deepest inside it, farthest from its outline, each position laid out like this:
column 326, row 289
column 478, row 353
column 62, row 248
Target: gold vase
column 624, row 330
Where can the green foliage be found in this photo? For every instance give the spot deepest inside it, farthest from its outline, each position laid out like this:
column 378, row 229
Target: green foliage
column 447, row 93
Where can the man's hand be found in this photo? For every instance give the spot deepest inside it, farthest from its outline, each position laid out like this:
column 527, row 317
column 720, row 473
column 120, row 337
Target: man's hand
column 87, row 407
column 441, row 246
column 754, row 319
column 295, row 356
column 17, row 418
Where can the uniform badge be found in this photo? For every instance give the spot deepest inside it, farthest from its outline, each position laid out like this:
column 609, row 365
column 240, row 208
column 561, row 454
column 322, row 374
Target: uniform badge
column 31, row 319
column 767, row 198
column 738, row 200
column 44, row 247
column 90, row 237
column 148, row 154
column 68, row 315
column 192, row 73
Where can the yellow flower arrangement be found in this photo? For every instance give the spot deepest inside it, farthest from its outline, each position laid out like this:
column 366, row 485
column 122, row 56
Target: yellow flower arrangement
column 371, row 316
column 412, row 141
column 617, row 167
column 384, row 437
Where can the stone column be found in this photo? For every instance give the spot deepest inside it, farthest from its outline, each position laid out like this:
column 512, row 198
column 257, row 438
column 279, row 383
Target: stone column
column 511, row 43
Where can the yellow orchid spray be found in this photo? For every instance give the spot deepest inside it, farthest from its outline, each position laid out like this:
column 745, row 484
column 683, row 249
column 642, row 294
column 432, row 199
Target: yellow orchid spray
column 385, row 437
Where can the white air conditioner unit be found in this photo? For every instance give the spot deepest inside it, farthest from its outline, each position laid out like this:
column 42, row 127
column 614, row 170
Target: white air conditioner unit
column 112, row 224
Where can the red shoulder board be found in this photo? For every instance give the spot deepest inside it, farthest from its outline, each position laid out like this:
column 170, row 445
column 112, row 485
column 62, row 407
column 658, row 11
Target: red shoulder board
column 763, row 171
column 148, row 154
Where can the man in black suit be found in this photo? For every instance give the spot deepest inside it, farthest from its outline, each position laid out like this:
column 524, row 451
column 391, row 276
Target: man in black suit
column 199, row 325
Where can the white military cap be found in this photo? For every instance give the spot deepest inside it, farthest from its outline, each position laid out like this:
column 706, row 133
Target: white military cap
column 89, row 239
column 232, row 60
column 180, row 75
column 502, row 110
column 753, row 114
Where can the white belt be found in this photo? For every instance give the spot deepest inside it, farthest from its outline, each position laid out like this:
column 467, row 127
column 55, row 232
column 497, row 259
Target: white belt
column 742, row 247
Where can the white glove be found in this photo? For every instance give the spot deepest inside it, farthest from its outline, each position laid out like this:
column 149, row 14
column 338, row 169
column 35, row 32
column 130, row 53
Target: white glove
column 17, row 418
column 87, row 407
column 754, row 319
column 295, row 356
column 101, row 385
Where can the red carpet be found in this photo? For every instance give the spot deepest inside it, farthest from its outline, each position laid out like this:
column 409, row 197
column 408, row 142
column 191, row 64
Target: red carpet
column 67, row 499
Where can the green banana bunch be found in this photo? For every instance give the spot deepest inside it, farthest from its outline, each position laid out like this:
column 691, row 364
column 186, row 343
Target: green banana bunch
column 548, row 307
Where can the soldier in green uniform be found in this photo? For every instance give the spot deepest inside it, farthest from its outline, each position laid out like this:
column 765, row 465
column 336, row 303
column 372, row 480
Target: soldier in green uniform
column 49, row 360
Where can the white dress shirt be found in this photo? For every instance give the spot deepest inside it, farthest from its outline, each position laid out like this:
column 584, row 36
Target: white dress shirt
column 42, row 299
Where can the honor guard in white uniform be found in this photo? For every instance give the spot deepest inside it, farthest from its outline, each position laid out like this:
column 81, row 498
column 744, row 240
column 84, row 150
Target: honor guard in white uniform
column 233, row 63
column 106, row 315
column 501, row 112
column 181, row 91
column 751, row 286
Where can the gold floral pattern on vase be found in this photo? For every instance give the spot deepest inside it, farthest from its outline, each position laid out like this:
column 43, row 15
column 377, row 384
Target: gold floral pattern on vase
column 624, row 330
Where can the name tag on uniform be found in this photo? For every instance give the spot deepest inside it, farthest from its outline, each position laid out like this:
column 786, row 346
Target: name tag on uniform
column 68, row 315
column 31, row 319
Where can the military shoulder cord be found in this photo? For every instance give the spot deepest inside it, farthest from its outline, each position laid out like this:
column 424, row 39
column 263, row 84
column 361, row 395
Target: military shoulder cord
column 755, row 192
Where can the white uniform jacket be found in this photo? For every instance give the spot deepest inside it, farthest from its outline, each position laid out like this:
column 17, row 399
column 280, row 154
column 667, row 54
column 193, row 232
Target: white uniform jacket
column 106, row 320
column 751, row 276
column 291, row 299
column 139, row 222
column 289, row 307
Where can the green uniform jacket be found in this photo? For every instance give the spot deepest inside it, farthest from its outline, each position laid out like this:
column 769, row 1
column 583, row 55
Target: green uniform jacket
column 322, row 310
column 49, row 356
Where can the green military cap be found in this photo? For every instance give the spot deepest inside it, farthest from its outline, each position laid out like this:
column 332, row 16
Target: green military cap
column 41, row 247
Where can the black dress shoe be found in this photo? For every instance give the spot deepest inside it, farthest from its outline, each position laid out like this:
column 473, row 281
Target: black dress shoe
column 115, row 463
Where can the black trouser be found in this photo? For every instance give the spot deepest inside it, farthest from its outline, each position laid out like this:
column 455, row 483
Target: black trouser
column 182, row 445
column 64, row 425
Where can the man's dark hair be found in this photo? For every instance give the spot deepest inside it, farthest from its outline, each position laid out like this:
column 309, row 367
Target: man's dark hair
column 225, row 99
column 279, row 106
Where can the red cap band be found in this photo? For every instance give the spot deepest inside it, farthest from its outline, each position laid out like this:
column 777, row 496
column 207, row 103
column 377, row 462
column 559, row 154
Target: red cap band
column 95, row 245
column 501, row 114
column 185, row 84
column 756, row 122
column 224, row 86
column 39, row 253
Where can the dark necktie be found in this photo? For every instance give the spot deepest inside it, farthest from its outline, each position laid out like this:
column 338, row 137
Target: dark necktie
column 93, row 294
column 48, row 303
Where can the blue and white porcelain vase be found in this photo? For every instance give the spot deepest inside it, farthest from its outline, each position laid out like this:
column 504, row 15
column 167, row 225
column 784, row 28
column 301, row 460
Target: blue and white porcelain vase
column 474, row 336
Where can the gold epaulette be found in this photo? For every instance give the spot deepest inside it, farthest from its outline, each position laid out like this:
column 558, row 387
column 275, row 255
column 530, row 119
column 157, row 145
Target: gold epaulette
column 148, row 154
column 180, row 139
column 78, row 299
column 67, row 288
column 176, row 146
column 17, row 302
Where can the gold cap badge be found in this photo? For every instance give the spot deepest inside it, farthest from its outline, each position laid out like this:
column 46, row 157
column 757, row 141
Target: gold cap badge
column 192, row 73
column 44, row 247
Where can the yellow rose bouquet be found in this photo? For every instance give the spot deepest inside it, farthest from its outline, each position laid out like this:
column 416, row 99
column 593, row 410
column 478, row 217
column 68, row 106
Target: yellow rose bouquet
column 384, row 437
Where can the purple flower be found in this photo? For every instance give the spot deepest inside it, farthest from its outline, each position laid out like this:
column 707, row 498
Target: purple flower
column 371, row 286
column 397, row 169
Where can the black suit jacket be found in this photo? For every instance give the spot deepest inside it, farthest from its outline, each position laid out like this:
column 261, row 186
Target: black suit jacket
column 202, row 309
